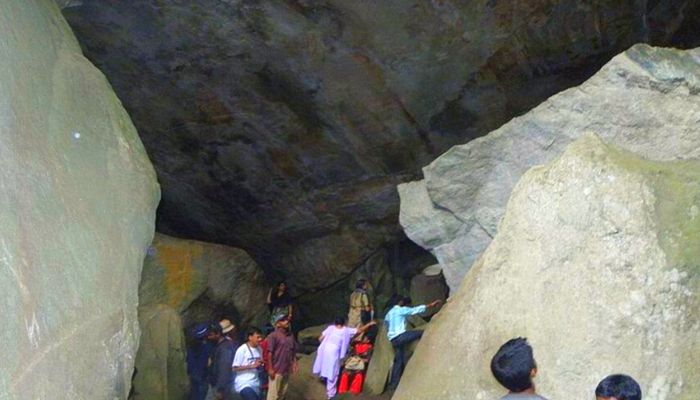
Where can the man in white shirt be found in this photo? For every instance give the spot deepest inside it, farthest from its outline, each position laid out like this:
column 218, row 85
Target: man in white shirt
column 246, row 363
column 399, row 336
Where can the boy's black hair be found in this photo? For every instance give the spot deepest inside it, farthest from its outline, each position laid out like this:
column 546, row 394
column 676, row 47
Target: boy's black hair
column 360, row 283
column 406, row 301
column 252, row 331
column 215, row 327
column 512, row 365
column 621, row 387
column 339, row 321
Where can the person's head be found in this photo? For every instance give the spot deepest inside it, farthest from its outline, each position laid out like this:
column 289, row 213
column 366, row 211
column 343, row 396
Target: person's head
column 618, row 387
column 214, row 332
column 365, row 317
column 200, row 331
column 281, row 286
column 253, row 336
column 514, row 366
column 405, row 301
column 268, row 329
column 282, row 322
column 339, row 321
column 361, row 284
column 227, row 328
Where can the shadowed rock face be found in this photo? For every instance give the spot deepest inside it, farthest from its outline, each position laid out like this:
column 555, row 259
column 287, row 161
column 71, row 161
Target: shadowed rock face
column 283, row 127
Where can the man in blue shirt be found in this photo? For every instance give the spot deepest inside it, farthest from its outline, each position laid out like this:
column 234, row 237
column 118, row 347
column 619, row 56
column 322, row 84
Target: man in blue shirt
column 198, row 361
column 399, row 336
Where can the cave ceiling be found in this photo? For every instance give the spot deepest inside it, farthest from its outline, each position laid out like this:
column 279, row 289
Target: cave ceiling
column 283, row 127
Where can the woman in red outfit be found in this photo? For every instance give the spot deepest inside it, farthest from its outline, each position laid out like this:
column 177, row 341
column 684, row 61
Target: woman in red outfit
column 353, row 375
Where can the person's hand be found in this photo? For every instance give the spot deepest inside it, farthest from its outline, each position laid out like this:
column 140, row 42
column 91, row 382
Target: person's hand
column 257, row 363
column 295, row 367
column 434, row 303
column 271, row 373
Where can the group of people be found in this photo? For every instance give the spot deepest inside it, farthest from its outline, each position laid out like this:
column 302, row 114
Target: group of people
column 345, row 351
column 514, row 367
column 220, row 367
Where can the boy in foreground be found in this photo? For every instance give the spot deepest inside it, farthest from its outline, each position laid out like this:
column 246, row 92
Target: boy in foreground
column 618, row 387
column 514, row 366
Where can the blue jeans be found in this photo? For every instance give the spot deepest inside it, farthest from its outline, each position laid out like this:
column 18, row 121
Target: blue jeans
column 198, row 389
column 249, row 394
column 399, row 343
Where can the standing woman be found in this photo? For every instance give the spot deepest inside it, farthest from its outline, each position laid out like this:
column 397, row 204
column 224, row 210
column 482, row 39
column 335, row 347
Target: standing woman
column 359, row 303
column 335, row 341
column 279, row 301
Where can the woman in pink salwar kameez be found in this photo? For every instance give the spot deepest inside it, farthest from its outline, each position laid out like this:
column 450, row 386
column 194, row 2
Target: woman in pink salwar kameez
column 335, row 341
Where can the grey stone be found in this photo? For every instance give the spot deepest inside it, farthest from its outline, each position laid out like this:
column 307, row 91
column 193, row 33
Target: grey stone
column 283, row 127
column 160, row 362
column 184, row 273
column 644, row 100
column 379, row 366
column 77, row 210
column 428, row 286
column 596, row 263
column 304, row 384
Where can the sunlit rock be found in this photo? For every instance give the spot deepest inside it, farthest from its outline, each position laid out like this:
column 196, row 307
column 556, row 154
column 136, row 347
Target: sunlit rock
column 77, row 210
column 596, row 262
column 645, row 100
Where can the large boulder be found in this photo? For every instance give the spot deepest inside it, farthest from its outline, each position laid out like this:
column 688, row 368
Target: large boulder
column 304, row 384
column 283, row 127
column 645, row 100
column 161, row 372
column 204, row 281
column 597, row 263
column 77, row 210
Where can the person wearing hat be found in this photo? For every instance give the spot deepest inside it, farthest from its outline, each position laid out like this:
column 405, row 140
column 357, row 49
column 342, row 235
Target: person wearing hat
column 198, row 361
column 281, row 360
column 221, row 374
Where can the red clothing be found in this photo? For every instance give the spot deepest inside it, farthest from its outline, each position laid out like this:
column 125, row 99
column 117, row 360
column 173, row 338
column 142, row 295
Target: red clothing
column 351, row 381
column 352, row 384
column 283, row 349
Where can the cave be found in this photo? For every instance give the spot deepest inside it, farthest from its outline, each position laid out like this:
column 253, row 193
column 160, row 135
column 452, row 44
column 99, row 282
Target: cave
column 314, row 142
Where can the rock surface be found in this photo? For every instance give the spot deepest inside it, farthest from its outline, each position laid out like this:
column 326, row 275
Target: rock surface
column 304, row 384
column 283, row 127
column 429, row 286
column 77, row 210
column 645, row 100
column 204, row 281
column 160, row 362
column 596, row 263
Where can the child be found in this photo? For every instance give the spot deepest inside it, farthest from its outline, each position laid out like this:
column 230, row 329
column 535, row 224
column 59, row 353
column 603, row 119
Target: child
column 514, row 366
column 618, row 387
column 355, row 367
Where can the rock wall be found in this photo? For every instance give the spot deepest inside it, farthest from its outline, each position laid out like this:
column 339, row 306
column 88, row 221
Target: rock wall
column 204, row 281
column 596, row 263
column 77, row 210
column 282, row 127
column 161, row 370
column 644, row 100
